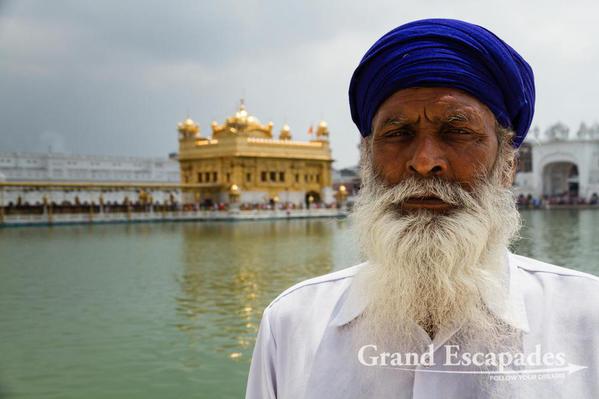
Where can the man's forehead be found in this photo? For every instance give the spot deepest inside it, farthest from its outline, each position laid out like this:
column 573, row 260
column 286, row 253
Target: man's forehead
column 432, row 104
column 454, row 114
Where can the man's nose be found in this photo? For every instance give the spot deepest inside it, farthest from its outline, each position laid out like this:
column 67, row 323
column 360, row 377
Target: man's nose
column 428, row 159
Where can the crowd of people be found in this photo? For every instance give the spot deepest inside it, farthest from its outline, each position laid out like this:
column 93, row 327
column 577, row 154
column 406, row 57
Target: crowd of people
column 67, row 207
column 529, row 201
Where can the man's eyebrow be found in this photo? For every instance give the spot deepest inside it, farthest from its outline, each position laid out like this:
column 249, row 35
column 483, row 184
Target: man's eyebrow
column 453, row 116
column 397, row 120
column 458, row 117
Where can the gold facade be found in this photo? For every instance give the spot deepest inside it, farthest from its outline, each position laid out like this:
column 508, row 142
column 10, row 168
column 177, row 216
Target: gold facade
column 244, row 153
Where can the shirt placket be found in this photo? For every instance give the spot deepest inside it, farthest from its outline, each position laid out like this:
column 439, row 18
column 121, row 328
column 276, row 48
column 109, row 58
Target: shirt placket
column 429, row 384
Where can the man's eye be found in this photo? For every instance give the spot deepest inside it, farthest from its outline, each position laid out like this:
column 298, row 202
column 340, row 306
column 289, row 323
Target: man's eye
column 457, row 131
column 398, row 133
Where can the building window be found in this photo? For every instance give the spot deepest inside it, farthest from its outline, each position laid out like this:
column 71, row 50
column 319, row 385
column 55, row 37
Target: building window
column 200, row 180
column 305, row 178
column 525, row 158
column 273, row 176
column 297, row 177
column 228, row 178
column 207, row 177
column 214, row 176
column 263, row 176
column 281, row 176
column 317, row 178
column 248, row 177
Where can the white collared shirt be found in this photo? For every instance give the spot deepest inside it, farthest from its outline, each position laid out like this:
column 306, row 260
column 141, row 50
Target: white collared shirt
column 303, row 349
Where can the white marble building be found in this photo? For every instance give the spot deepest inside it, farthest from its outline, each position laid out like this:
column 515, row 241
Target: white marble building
column 67, row 168
column 19, row 166
column 559, row 162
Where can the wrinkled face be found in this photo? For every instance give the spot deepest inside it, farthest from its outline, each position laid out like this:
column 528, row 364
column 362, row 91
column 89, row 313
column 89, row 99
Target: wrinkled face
column 434, row 217
column 433, row 132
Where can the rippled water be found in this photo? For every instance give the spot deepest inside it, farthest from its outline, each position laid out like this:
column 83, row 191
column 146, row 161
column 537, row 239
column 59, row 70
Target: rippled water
column 171, row 310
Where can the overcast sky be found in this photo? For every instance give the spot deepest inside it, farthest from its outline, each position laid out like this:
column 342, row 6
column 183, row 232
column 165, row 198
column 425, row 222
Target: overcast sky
column 115, row 77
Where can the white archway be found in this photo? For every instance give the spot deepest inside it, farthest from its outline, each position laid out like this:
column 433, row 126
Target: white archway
column 561, row 178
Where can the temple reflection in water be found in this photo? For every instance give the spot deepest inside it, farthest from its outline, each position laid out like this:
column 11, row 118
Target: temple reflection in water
column 223, row 292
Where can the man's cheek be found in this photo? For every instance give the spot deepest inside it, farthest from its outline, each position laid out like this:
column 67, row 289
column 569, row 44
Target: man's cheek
column 388, row 172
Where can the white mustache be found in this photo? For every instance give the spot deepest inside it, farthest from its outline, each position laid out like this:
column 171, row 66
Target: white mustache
column 449, row 192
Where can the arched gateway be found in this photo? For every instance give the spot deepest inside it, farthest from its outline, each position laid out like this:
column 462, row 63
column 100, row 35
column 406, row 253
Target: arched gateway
column 561, row 178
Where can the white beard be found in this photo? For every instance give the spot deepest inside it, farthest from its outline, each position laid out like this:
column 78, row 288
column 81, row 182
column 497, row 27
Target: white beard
column 430, row 268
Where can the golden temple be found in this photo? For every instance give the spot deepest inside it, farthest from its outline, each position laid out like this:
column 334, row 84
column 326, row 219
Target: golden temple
column 242, row 160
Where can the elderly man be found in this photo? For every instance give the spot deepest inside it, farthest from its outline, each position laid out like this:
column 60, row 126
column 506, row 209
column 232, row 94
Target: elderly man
column 441, row 308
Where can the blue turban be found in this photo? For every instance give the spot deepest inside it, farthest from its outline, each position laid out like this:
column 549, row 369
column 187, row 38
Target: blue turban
column 445, row 53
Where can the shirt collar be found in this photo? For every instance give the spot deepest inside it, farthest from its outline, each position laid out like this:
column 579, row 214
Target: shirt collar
column 354, row 300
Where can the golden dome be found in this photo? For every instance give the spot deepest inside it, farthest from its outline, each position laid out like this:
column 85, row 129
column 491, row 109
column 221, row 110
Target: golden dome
column 241, row 116
column 285, row 133
column 322, row 132
column 242, row 123
column 188, row 128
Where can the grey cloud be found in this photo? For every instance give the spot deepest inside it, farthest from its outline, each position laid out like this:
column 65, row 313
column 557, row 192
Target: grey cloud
column 116, row 76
